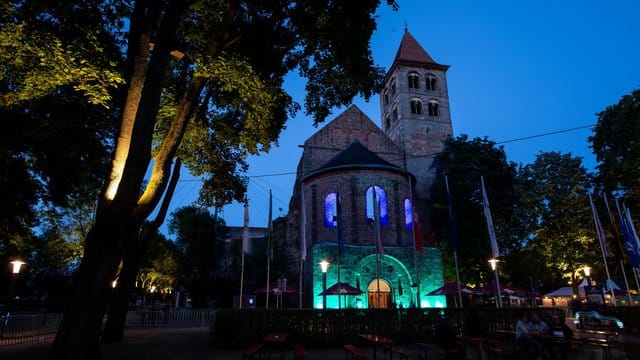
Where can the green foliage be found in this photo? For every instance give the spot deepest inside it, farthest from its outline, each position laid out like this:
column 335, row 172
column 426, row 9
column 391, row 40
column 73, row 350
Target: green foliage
column 464, row 161
column 617, row 146
column 161, row 265
column 36, row 63
column 200, row 240
column 556, row 194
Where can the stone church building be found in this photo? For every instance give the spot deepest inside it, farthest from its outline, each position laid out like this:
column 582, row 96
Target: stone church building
column 358, row 183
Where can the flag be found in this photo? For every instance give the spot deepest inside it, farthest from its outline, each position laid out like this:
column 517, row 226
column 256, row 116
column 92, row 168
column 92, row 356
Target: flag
column 376, row 222
column 339, row 224
column 452, row 217
column 303, row 226
column 417, row 229
column 616, row 234
column 495, row 253
column 599, row 230
column 270, row 230
column 246, row 241
column 631, row 238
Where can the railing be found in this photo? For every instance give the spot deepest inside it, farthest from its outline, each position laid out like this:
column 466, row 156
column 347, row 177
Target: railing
column 169, row 318
column 19, row 329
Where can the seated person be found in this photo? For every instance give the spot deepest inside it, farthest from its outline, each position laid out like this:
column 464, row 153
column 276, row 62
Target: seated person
column 561, row 341
column 538, row 326
column 525, row 340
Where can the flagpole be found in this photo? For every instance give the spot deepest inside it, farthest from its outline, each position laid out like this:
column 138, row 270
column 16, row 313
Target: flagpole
column 269, row 235
column 339, row 242
column 599, row 232
column 495, row 253
column 626, row 283
column 245, row 246
column 453, row 229
column 414, row 219
column 616, row 237
column 376, row 219
column 303, row 242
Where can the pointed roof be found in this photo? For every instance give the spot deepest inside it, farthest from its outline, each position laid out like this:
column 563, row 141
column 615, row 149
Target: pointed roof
column 411, row 51
column 356, row 156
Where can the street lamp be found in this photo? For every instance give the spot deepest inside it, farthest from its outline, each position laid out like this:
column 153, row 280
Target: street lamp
column 15, row 270
column 587, row 274
column 324, row 266
column 494, row 268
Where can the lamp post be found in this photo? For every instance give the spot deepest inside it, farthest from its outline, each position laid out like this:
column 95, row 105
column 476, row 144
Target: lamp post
column 282, row 287
column 494, row 267
column 324, row 266
column 15, row 270
column 587, row 274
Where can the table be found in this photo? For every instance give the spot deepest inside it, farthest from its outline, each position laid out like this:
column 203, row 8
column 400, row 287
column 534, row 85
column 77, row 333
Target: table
column 376, row 340
column 276, row 340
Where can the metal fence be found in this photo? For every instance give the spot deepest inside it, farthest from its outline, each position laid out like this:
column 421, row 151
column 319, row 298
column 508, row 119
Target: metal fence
column 19, row 329
column 168, row 318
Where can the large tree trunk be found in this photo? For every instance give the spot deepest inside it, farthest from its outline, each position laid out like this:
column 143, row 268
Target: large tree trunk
column 131, row 263
column 78, row 334
column 119, row 305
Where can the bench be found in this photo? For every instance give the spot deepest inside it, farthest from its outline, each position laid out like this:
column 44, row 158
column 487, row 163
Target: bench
column 356, row 352
column 298, row 352
column 394, row 350
column 252, row 350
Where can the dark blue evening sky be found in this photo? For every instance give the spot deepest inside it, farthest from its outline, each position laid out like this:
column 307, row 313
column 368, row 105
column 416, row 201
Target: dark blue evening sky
column 518, row 68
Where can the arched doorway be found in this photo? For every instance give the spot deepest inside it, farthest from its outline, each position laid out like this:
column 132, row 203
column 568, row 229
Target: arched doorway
column 379, row 296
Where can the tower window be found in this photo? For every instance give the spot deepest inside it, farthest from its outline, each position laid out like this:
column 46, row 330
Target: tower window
column 416, row 106
column 386, row 97
column 433, row 108
column 414, row 80
column 381, row 197
column 395, row 114
column 431, row 82
column 393, row 88
column 387, row 122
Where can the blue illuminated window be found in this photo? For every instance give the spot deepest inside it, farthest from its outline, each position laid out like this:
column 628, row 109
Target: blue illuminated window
column 408, row 214
column 381, row 196
column 330, row 210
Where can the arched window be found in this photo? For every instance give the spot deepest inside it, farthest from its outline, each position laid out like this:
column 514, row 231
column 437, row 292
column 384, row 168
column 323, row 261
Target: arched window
column 381, row 196
column 393, row 87
column 433, row 108
column 408, row 214
column 386, row 97
column 414, row 80
column 330, row 210
column 431, row 82
column 416, row 106
column 387, row 122
column 395, row 114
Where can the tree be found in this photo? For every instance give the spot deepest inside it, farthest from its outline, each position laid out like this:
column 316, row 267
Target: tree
column 224, row 94
column 557, row 194
column 200, row 239
column 56, row 133
column 616, row 145
column 464, row 161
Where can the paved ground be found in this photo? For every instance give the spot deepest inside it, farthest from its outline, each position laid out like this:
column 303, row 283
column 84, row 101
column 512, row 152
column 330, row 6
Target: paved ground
column 194, row 343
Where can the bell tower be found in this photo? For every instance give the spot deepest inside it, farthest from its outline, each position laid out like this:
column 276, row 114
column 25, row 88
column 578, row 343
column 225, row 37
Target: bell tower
column 414, row 104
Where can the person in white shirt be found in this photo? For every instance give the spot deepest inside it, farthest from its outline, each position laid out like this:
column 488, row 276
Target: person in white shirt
column 524, row 339
column 538, row 326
